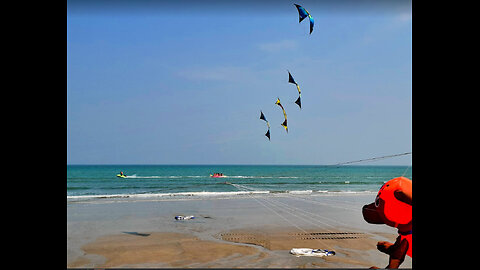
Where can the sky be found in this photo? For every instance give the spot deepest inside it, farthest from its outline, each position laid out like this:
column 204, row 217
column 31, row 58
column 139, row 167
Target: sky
column 183, row 82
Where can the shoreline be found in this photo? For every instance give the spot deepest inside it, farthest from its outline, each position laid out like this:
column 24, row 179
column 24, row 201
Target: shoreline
column 212, row 195
column 245, row 231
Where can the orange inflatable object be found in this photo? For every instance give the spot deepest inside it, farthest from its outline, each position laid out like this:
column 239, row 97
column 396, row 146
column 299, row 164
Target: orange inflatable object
column 390, row 209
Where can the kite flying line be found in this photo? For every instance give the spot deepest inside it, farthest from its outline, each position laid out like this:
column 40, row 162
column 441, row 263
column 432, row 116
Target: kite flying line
column 371, row 159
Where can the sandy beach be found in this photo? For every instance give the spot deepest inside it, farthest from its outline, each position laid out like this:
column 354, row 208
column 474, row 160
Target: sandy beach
column 237, row 232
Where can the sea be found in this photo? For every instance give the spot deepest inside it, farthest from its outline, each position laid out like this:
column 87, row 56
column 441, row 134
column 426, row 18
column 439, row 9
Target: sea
column 179, row 181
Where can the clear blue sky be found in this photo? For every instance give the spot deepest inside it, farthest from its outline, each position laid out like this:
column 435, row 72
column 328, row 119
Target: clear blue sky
column 161, row 83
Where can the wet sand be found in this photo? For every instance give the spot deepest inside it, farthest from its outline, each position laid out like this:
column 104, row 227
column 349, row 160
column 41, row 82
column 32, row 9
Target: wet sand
column 226, row 233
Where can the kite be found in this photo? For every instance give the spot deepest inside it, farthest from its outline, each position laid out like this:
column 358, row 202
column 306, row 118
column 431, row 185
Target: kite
column 302, row 14
column 262, row 116
column 284, row 124
column 291, row 80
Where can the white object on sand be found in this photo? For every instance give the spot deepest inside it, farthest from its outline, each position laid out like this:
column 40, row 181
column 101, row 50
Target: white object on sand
column 184, row 217
column 311, row 252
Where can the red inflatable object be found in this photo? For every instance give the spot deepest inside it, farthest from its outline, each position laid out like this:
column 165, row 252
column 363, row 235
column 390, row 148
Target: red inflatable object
column 390, row 209
column 217, row 176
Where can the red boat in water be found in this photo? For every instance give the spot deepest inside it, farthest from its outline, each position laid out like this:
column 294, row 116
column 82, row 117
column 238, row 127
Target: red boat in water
column 217, row 175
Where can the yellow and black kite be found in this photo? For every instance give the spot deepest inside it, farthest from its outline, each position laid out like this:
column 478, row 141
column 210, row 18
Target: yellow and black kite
column 284, row 124
column 262, row 116
column 291, row 80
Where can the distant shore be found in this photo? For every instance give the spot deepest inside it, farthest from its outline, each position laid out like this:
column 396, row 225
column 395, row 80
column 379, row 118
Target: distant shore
column 254, row 231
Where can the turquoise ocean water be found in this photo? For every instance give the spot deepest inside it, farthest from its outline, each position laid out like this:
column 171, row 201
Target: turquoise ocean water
column 99, row 181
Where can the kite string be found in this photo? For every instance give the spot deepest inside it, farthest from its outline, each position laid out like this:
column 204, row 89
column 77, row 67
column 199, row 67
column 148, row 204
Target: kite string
column 294, row 209
column 312, row 201
column 406, row 170
column 371, row 159
column 309, row 213
column 301, row 211
column 316, row 202
column 284, row 218
column 273, row 210
column 288, row 208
